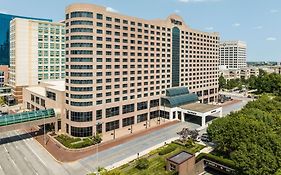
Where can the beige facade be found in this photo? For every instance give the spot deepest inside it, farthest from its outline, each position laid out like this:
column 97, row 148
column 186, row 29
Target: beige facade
column 244, row 73
column 118, row 67
column 37, row 52
column 48, row 94
column 272, row 69
column 233, row 54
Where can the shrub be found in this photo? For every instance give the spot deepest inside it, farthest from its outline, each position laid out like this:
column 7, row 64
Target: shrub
column 142, row 163
column 218, row 159
column 72, row 142
column 167, row 149
column 189, row 143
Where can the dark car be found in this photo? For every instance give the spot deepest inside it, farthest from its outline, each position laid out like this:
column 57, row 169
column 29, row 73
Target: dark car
column 205, row 137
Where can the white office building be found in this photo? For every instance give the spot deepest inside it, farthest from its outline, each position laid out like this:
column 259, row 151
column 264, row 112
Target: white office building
column 233, row 54
column 37, row 52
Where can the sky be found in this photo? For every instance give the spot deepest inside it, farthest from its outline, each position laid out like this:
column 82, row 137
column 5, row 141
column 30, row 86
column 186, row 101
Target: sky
column 257, row 22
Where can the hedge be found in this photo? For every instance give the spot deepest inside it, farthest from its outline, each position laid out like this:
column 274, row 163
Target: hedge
column 167, row 149
column 227, row 162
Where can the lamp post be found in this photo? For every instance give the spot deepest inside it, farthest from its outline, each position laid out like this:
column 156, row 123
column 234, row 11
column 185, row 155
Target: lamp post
column 131, row 129
column 44, row 130
column 113, row 133
column 97, row 124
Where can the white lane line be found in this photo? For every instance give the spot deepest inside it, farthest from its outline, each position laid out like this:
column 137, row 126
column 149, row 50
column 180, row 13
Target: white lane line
column 32, row 150
column 13, row 162
column 5, row 149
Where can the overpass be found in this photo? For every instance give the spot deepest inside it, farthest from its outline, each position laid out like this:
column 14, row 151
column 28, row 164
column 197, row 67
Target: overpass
column 27, row 119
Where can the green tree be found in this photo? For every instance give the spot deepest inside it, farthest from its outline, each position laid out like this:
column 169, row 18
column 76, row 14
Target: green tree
column 250, row 137
column 222, row 82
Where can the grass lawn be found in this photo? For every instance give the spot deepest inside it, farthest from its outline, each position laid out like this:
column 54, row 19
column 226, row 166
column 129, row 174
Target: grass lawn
column 75, row 143
column 156, row 159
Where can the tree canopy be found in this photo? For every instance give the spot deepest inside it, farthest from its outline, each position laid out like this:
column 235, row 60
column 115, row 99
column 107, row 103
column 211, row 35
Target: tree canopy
column 251, row 137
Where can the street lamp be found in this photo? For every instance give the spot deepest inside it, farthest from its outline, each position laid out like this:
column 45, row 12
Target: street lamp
column 113, row 133
column 97, row 124
column 44, row 138
column 131, row 129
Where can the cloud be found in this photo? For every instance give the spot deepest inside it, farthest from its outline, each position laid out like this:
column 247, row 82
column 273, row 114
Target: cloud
column 189, row 1
column 209, row 28
column 271, row 39
column 177, row 11
column 258, row 27
column 110, row 9
column 236, row 24
column 274, row 11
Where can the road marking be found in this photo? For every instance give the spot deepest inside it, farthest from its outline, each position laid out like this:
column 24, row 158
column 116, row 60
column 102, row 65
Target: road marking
column 32, row 150
column 5, row 149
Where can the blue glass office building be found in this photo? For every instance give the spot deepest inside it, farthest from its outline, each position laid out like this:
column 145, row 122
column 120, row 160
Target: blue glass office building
column 5, row 36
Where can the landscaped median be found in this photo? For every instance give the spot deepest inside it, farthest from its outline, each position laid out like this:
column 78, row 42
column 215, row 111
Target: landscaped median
column 155, row 161
column 76, row 143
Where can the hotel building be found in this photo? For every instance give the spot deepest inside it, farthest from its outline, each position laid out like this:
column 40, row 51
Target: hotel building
column 233, row 54
column 118, row 67
column 37, row 52
column 5, row 36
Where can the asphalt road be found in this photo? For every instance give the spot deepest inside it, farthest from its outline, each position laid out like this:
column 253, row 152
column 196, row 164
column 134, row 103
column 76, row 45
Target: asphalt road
column 21, row 155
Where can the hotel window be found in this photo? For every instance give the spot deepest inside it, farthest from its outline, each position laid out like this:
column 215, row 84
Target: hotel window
column 128, row 121
column 81, row 132
column 109, row 126
column 99, row 16
column 142, row 105
column 98, row 114
column 81, row 116
column 110, row 112
column 128, row 108
column 141, row 118
column 108, row 18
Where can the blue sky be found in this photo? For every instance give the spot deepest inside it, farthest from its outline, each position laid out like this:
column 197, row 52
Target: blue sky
column 258, row 22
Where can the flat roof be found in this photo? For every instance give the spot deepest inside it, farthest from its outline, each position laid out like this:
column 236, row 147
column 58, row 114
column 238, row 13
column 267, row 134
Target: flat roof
column 56, row 85
column 37, row 90
column 180, row 157
column 199, row 107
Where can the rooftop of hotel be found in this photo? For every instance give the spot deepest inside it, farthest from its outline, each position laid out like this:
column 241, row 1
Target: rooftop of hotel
column 56, row 85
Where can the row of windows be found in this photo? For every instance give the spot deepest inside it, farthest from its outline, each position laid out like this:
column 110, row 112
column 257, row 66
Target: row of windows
column 81, row 66
column 81, row 44
column 81, row 103
column 81, row 116
column 81, row 22
column 89, row 30
column 80, row 81
column 87, row 96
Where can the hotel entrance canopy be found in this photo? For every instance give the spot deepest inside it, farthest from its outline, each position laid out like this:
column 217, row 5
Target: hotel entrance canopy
column 179, row 102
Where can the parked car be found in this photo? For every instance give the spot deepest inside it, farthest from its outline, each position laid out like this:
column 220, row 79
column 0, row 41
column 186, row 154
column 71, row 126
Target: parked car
column 205, row 137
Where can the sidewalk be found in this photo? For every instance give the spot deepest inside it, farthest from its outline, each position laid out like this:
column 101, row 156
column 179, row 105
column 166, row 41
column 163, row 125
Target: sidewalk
column 63, row 155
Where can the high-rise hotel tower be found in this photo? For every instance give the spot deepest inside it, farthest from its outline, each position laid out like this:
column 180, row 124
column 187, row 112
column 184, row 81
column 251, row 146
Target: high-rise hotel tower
column 118, row 67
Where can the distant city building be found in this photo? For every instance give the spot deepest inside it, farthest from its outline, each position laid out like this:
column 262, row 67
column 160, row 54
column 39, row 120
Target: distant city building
column 118, row 67
column 37, row 52
column 5, row 36
column 233, row 54
column 4, row 73
column 271, row 69
column 242, row 73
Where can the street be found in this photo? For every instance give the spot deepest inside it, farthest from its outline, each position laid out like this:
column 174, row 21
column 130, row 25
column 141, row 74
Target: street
column 22, row 155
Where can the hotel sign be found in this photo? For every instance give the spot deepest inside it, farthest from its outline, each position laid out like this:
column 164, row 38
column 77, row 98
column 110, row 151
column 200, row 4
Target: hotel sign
column 176, row 22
